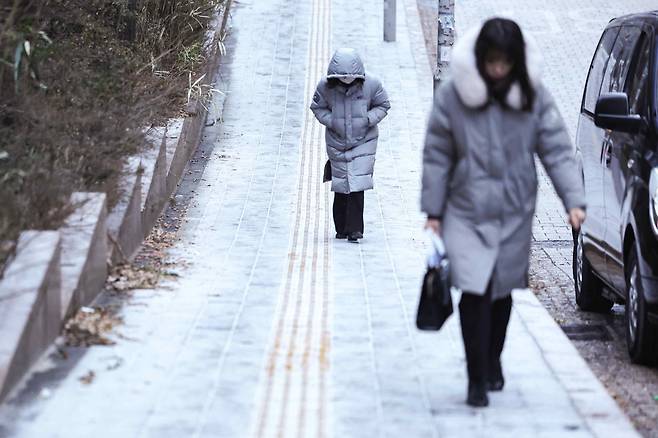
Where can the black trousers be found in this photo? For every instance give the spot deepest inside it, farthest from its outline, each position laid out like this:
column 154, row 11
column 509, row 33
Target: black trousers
column 484, row 326
column 348, row 212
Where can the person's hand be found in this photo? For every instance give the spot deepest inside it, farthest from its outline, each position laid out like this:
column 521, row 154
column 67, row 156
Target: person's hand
column 434, row 225
column 576, row 218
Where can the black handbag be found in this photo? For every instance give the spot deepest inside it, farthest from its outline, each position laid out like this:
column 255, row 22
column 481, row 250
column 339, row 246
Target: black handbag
column 435, row 305
column 326, row 176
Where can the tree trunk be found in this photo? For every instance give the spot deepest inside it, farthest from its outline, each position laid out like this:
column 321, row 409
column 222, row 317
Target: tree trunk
column 446, row 38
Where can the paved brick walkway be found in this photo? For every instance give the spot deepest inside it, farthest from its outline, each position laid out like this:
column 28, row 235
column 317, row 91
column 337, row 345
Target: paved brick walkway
column 277, row 329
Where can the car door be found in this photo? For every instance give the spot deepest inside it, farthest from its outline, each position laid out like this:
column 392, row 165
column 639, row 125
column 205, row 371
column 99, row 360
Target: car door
column 589, row 140
column 623, row 153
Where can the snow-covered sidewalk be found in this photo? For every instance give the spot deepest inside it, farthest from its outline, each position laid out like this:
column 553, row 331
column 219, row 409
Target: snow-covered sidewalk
column 277, row 329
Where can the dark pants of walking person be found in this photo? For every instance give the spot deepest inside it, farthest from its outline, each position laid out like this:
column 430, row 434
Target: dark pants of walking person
column 484, row 326
column 348, row 213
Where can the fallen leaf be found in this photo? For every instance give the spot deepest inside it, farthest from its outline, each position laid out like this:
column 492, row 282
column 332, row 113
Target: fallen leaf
column 88, row 378
column 124, row 278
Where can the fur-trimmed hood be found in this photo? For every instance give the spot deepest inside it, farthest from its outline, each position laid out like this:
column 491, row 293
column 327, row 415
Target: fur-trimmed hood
column 470, row 85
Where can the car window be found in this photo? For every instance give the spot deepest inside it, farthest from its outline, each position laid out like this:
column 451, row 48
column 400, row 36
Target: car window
column 636, row 86
column 620, row 59
column 597, row 67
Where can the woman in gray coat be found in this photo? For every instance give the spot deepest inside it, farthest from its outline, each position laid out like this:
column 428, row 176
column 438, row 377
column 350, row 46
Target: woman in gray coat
column 350, row 103
column 479, row 186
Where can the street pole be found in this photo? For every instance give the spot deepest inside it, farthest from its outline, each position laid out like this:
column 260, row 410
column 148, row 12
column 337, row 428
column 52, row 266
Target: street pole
column 445, row 39
column 389, row 20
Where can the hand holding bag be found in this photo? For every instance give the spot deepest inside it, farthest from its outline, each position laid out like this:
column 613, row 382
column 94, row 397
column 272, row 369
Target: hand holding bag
column 435, row 305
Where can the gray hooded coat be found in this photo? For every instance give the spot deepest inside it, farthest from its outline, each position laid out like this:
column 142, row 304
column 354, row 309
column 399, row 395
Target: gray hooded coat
column 479, row 172
column 351, row 115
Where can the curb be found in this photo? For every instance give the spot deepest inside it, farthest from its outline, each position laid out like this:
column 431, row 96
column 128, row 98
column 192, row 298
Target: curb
column 54, row 273
column 600, row 412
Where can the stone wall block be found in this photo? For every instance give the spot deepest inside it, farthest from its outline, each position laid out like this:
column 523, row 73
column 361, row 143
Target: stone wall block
column 30, row 308
column 84, row 251
column 157, row 194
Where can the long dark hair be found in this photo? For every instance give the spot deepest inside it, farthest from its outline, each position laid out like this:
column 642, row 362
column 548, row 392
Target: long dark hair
column 505, row 36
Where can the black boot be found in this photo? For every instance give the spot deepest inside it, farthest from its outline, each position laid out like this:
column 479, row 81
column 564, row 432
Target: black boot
column 477, row 395
column 355, row 236
column 500, row 318
column 495, row 381
column 475, row 318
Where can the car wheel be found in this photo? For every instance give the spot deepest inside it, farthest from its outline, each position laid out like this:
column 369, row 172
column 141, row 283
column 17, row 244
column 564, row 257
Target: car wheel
column 641, row 335
column 587, row 285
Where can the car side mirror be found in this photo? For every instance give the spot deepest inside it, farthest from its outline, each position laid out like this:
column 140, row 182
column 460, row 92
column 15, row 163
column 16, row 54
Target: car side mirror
column 612, row 113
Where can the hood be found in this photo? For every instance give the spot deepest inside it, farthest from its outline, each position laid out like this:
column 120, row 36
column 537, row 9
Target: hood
column 346, row 63
column 471, row 88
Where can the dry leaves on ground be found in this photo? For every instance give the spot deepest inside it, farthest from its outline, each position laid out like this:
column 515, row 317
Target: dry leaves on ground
column 90, row 326
column 160, row 238
column 149, row 265
column 147, row 268
column 127, row 277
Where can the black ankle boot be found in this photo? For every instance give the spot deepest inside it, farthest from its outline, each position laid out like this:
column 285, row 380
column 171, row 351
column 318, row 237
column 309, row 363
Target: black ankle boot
column 477, row 395
column 355, row 236
column 496, row 381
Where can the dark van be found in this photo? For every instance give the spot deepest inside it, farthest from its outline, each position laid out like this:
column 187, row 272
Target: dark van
column 616, row 252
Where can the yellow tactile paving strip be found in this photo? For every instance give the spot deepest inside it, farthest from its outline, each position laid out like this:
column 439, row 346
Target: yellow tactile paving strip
column 292, row 400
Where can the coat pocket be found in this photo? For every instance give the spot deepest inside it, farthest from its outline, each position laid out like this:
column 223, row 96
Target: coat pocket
column 338, row 126
column 359, row 128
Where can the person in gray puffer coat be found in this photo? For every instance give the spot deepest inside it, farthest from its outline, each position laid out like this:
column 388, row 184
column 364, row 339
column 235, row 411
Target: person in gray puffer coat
column 489, row 121
column 350, row 103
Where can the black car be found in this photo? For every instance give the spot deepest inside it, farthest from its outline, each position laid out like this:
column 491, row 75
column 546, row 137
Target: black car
column 616, row 251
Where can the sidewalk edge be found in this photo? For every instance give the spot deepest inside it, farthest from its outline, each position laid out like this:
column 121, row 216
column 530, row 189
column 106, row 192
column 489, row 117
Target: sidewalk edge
column 601, row 413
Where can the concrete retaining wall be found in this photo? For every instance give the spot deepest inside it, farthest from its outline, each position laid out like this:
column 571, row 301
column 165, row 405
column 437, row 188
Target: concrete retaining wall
column 30, row 311
column 156, row 191
column 84, row 252
column 124, row 222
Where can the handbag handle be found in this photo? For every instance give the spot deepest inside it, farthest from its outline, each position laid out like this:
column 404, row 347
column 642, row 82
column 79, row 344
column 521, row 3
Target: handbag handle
column 437, row 250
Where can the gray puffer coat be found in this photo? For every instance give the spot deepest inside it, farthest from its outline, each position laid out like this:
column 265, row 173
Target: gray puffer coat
column 479, row 172
column 351, row 114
